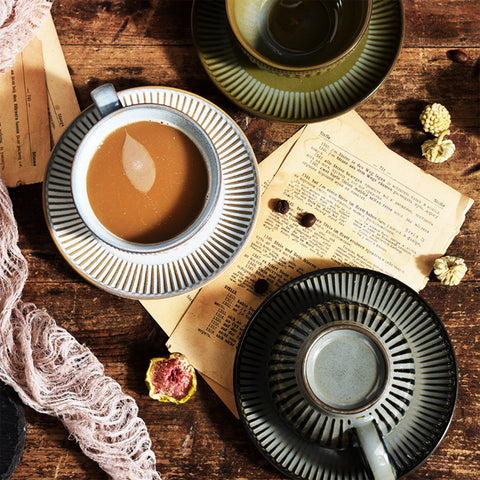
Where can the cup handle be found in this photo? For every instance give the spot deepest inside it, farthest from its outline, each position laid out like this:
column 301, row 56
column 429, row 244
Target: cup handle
column 106, row 99
column 374, row 451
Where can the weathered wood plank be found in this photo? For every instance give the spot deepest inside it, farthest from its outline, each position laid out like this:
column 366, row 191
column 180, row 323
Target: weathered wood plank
column 167, row 22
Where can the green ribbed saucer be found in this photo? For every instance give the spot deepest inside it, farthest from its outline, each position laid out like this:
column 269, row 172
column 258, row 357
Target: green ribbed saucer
column 298, row 100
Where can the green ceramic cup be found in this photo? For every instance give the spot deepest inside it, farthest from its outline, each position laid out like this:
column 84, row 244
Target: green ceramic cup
column 298, row 38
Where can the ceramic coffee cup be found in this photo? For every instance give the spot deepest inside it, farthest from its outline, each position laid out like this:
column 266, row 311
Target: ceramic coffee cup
column 298, row 38
column 344, row 370
column 115, row 117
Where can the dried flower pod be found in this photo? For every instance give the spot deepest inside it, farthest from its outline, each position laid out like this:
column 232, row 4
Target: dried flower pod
column 449, row 270
column 435, row 119
column 171, row 379
column 438, row 150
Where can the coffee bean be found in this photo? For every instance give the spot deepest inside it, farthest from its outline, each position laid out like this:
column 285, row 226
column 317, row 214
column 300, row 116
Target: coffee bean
column 308, row 220
column 282, row 206
column 457, row 56
column 261, row 286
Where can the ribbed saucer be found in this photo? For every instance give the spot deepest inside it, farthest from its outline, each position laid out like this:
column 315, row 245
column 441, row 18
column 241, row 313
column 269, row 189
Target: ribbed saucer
column 307, row 443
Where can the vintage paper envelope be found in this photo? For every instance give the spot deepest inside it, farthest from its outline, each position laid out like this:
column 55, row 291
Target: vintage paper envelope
column 37, row 102
column 62, row 101
column 24, row 132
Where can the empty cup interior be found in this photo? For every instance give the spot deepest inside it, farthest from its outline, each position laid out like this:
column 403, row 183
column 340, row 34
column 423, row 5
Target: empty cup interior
column 344, row 369
column 298, row 33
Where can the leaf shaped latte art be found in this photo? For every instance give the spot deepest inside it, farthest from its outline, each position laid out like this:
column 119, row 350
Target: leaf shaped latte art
column 138, row 164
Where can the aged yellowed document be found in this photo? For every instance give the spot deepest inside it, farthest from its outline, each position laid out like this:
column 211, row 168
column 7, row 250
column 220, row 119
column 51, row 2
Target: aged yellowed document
column 37, row 102
column 62, row 101
column 374, row 209
column 24, row 131
column 168, row 312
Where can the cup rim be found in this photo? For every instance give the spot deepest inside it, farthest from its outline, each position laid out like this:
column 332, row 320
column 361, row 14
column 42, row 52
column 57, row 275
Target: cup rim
column 319, row 334
column 86, row 213
column 281, row 67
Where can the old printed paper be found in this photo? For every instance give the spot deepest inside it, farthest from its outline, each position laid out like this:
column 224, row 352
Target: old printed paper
column 36, row 90
column 168, row 312
column 24, row 132
column 374, row 210
column 62, row 102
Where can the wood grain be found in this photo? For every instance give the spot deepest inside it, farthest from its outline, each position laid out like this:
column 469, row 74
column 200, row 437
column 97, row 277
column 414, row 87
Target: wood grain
column 148, row 42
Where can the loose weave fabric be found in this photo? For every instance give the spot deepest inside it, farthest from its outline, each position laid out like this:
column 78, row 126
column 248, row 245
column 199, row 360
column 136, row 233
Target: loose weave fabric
column 56, row 375
column 19, row 21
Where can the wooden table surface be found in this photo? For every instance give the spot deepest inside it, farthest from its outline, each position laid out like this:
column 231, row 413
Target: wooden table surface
column 148, row 42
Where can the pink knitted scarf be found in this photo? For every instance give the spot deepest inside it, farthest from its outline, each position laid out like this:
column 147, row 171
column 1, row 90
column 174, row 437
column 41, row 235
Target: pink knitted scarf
column 19, row 20
column 54, row 374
